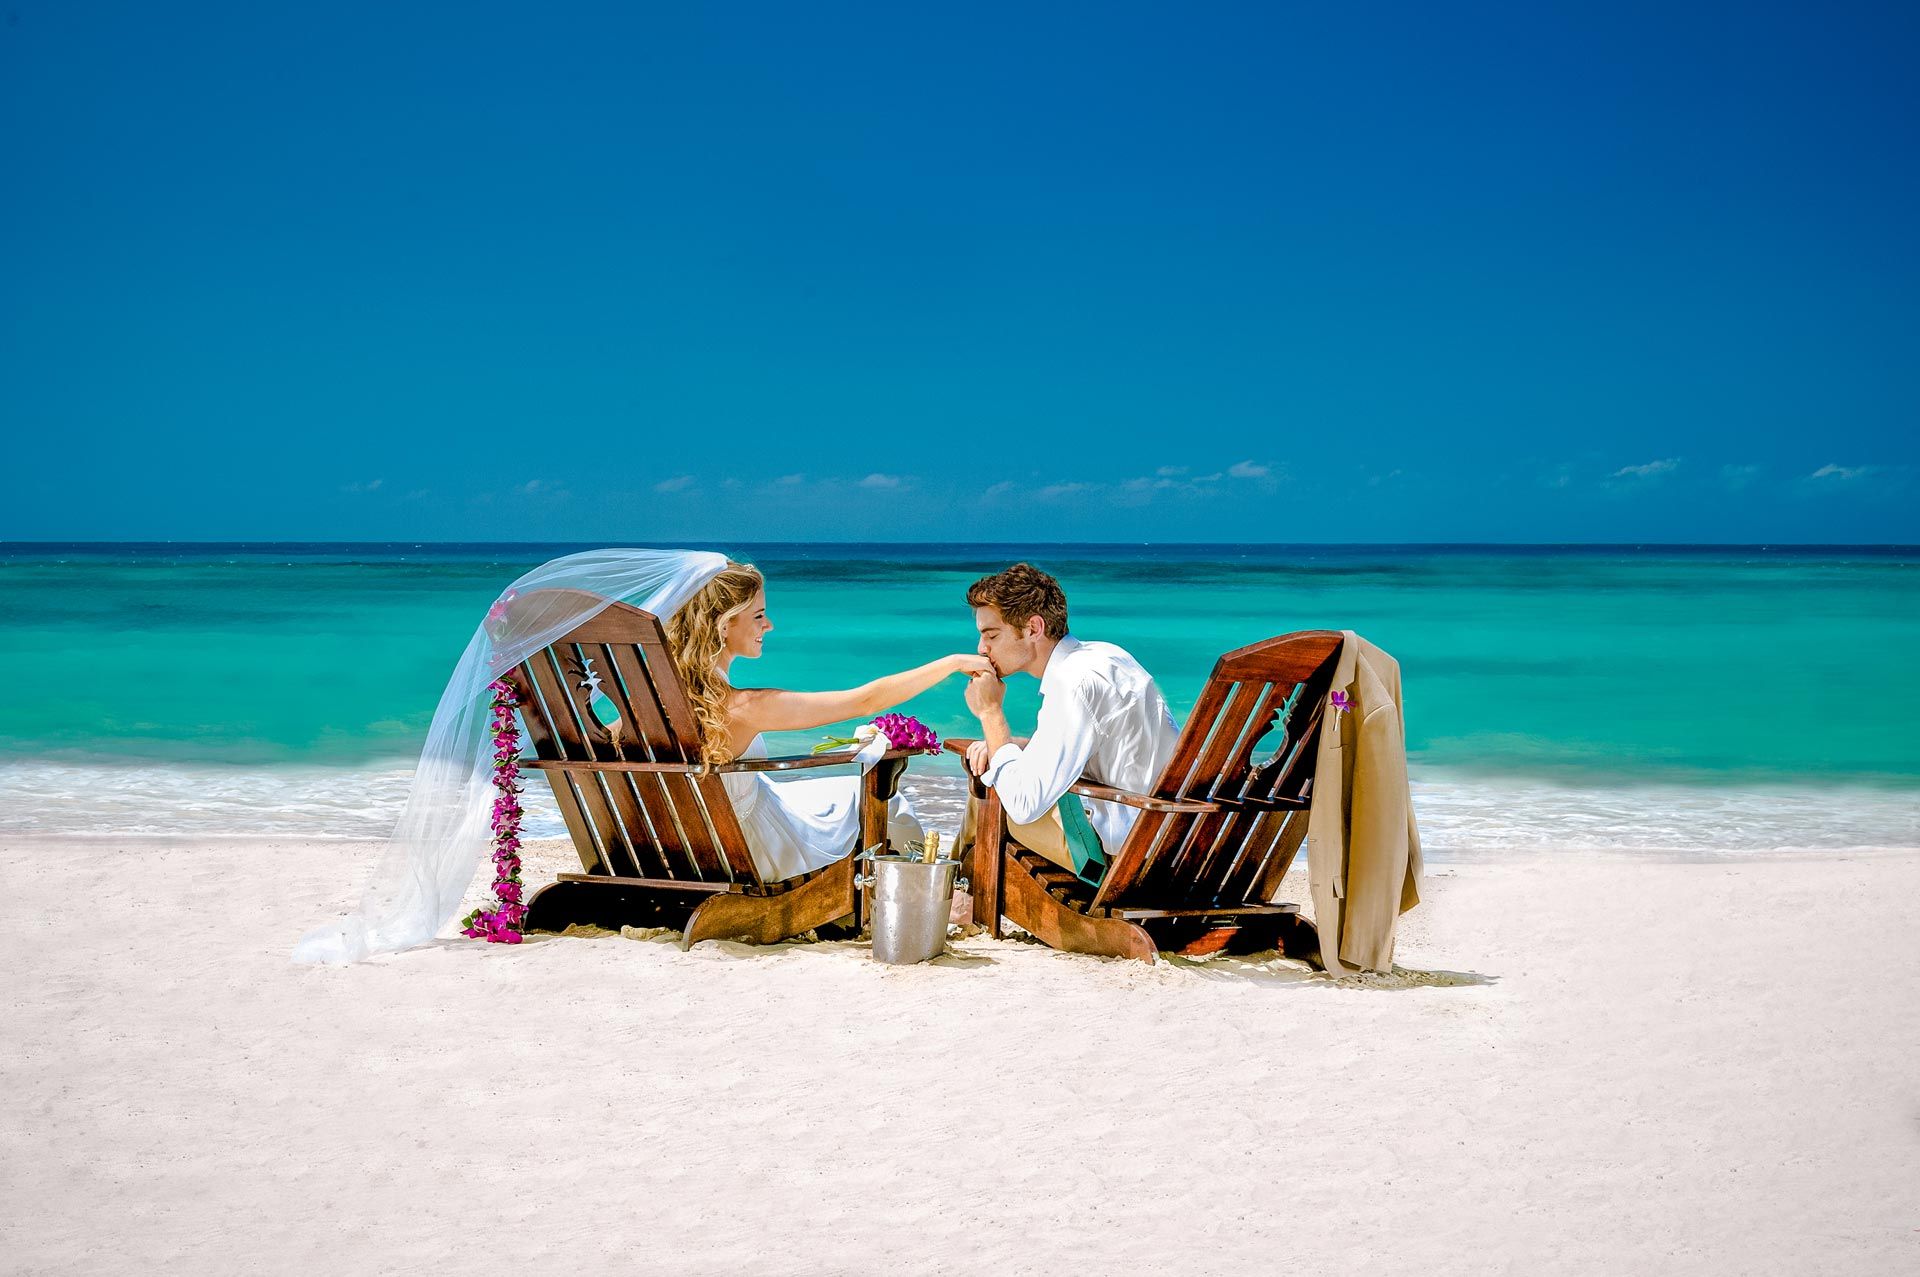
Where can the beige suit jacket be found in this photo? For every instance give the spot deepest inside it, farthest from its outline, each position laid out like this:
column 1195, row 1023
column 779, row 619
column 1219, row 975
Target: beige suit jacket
column 1363, row 850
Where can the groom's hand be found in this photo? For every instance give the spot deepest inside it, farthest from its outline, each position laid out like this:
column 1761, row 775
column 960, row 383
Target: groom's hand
column 985, row 694
column 978, row 756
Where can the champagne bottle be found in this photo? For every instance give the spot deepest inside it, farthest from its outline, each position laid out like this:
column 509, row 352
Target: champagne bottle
column 930, row 850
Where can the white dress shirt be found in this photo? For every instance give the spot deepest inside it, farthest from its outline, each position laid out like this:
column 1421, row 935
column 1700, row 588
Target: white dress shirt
column 1101, row 717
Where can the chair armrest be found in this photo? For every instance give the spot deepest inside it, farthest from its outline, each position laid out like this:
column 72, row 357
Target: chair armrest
column 1145, row 802
column 794, row 762
column 1107, row 793
column 958, row 744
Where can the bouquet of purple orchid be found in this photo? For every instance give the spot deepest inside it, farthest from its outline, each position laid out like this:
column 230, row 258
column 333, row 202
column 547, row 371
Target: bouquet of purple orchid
column 903, row 731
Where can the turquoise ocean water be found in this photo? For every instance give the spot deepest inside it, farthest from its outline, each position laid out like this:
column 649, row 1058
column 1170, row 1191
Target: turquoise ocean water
column 1697, row 698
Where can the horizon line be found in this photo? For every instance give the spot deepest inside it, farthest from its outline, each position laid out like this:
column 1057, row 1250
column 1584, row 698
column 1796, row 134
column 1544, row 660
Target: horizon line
column 6, row 545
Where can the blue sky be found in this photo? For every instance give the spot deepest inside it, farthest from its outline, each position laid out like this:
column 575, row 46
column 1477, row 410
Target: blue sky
column 1082, row 272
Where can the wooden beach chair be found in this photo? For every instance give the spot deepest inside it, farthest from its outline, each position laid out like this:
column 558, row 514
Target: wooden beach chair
column 1199, row 869
column 659, row 844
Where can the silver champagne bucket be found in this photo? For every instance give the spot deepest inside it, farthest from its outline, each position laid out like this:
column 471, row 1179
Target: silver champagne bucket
column 911, row 903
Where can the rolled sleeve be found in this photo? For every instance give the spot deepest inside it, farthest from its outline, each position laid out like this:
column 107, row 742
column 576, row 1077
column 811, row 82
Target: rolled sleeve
column 1001, row 757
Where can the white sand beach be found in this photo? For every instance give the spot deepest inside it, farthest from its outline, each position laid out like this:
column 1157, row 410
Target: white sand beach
column 1591, row 1064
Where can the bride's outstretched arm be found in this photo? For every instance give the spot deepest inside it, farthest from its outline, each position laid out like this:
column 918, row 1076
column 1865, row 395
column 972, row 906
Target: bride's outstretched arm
column 766, row 709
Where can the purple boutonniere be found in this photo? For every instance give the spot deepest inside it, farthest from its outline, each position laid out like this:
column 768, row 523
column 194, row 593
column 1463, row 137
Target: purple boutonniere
column 1340, row 701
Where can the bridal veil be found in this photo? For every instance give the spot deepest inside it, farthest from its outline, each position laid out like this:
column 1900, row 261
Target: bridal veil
column 441, row 837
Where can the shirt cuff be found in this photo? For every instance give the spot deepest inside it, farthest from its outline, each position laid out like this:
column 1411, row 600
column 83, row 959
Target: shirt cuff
column 1001, row 757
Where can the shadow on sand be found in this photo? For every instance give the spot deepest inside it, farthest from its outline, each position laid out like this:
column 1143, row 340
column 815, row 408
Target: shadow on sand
column 955, row 959
column 1272, row 968
column 1269, row 968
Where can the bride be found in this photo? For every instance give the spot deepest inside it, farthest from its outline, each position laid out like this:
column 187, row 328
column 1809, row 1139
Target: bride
column 715, row 611
column 791, row 826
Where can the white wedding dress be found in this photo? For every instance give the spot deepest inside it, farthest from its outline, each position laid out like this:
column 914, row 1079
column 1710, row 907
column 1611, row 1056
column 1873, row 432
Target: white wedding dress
column 797, row 826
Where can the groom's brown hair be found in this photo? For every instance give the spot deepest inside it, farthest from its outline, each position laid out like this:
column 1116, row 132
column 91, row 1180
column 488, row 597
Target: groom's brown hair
column 1021, row 591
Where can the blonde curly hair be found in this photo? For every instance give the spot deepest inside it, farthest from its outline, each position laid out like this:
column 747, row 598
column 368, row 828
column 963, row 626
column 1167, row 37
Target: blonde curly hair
column 697, row 633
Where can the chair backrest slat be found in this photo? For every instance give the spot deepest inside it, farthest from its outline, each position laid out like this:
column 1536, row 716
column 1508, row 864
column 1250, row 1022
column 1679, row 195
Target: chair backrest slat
column 1283, row 833
column 1249, row 747
column 1215, row 839
column 561, row 672
column 626, row 799
column 549, row 743
column 1186, row 752
column 1157, row 835
column 1271, row 791
column 1246, row 713
column 627, row 824
column 636, row 682
column 642, row 805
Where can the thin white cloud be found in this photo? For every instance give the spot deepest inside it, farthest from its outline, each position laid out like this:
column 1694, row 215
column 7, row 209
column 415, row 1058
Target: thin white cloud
column 679, row 483
column 1055, row 490
column 1176, row 482
column 1649, row 470
column 1737, row 477
column 998, row 490
column 371, row 485
column 881, row 482
column 543, row 489
column 1843, row 473
column 789, row 480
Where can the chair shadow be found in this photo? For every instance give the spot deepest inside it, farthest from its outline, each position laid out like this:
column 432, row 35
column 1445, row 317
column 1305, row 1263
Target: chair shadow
column 1270, row 967
column 861, row 947
column 963, row 961
column 1274, row 968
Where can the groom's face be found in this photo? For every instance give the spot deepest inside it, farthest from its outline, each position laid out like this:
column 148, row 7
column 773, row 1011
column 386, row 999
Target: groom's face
column 1010, row 647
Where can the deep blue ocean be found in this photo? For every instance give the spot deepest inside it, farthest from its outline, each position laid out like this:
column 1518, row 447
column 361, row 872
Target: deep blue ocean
column 1705, row 698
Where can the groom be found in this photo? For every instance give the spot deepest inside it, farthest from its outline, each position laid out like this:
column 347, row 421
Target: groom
column 1101, row 717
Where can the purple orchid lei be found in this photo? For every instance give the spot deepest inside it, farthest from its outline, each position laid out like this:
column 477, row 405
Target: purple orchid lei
column 501, row 924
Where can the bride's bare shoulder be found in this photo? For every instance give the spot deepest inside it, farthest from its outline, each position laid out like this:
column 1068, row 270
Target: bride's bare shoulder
column 745, row 702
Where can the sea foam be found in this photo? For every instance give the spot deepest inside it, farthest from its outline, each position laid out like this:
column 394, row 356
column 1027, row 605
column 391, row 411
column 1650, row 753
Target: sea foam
column 1459, row 813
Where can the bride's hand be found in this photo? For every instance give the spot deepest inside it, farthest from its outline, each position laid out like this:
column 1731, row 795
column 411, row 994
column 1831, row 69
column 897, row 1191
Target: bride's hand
column 969, row 664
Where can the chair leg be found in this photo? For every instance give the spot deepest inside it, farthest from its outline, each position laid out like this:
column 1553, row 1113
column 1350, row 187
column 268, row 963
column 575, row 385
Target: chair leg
column 989, row 867
column 769, row 919
column 1032, row 907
